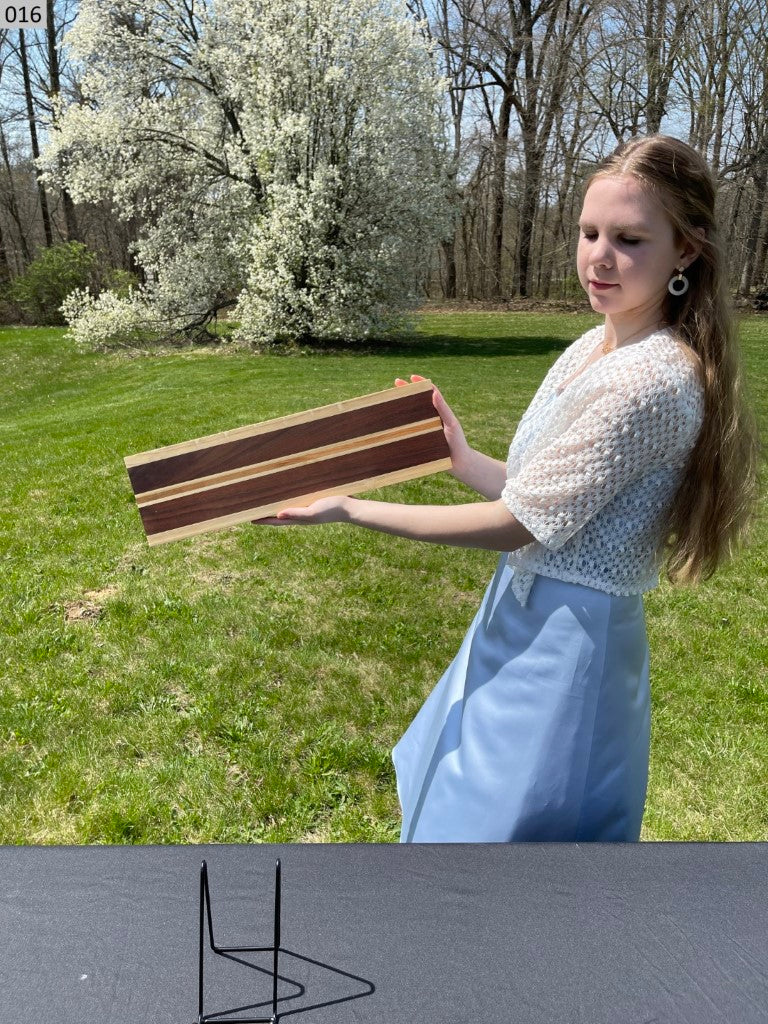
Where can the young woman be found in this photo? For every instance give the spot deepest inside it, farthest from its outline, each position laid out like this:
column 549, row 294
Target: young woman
column 636, row 446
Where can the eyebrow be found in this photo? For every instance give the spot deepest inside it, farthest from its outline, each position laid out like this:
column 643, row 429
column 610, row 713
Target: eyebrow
column 625, row 228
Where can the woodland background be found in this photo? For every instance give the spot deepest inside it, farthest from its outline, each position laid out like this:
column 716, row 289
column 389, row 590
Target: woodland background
column 540, row 91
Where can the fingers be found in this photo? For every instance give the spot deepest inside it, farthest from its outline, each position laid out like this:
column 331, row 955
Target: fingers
column 441, row 407
column 440, row 404
column 292, row 513
column 282, row 518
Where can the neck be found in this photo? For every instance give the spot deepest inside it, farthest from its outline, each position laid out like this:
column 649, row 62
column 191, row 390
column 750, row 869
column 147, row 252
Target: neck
column 617, row 334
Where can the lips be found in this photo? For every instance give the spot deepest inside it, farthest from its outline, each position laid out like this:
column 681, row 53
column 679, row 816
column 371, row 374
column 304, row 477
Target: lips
column 601, row 285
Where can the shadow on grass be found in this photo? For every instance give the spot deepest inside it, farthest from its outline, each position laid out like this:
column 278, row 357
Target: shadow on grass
column 440, row 345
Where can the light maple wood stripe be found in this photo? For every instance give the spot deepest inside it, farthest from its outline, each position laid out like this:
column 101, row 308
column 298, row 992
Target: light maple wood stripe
column 267, row 426
column 258, row 469
column 248, row 515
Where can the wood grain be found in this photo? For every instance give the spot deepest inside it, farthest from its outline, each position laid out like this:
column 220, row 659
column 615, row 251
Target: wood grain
column 218, row 481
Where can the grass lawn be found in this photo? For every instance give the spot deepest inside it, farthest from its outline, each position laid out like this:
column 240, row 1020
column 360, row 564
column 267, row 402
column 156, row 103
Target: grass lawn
column 248, row 685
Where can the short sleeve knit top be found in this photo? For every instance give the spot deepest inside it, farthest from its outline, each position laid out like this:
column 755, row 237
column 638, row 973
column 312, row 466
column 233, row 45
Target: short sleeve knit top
column 594, row 465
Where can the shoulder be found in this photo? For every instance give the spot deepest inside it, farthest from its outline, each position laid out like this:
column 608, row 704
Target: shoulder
column 684, row 352
column 656, row 379
column 664, row 366
column 670, row 393
column 692, row 358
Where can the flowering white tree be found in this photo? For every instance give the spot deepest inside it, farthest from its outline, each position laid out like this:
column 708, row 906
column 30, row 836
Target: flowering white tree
column 285, row 157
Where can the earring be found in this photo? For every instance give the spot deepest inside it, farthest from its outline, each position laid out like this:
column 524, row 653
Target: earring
column 678, row 285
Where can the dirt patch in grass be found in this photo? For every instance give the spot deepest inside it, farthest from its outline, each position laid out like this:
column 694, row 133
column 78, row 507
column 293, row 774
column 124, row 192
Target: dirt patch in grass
column 77, row 611
column 91, row 605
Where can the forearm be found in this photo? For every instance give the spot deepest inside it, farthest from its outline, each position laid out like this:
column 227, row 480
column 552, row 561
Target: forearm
column 484, row 524
column 483, row 474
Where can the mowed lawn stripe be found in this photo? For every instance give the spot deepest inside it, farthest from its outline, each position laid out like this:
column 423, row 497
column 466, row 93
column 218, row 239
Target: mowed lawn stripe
column 248, row 685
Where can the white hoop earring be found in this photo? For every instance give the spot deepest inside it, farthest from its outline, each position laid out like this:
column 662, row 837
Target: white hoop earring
column 678, row 285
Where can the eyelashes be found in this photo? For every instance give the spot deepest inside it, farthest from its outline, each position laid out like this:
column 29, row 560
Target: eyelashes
column 590, row 236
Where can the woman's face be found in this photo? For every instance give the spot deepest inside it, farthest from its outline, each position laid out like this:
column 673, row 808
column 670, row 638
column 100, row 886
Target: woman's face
column 627, row 252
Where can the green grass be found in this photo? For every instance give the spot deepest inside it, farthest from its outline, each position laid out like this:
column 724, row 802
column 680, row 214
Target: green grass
column 248, row 685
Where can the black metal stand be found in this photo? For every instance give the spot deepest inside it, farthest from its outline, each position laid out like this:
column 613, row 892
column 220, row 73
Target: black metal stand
column 205, row 911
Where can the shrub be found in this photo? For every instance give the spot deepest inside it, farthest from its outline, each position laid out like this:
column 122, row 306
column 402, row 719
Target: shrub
column 47, row 281
column 108, row 320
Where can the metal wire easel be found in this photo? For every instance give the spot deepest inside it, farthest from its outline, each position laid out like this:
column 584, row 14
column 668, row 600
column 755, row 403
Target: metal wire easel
column 205, row 912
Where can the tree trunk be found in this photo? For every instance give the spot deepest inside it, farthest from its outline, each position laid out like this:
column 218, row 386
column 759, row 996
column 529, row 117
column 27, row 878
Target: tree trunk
column 467, row 290
column 527, row 215
column 751, row 248
column 5, row 267
column 449, row 279
column 724, row 54
column 761, row 263
column 543, row 267
column 33, row 135
column 11, row 205
column 70, row 217
column 661, row 60
column 498, row 188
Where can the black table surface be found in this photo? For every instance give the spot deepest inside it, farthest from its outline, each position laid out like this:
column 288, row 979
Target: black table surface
column 520, row 933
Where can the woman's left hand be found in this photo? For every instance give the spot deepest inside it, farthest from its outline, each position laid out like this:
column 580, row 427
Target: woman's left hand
column 324, row 510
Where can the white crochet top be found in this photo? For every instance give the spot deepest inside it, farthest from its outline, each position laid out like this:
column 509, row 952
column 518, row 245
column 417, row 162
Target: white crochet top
column 592, row 471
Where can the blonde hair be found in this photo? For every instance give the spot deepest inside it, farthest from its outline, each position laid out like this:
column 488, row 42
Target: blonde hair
column 713, row 511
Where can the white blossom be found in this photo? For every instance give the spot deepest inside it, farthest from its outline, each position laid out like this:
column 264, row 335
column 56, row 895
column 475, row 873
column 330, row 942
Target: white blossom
column 286, row 156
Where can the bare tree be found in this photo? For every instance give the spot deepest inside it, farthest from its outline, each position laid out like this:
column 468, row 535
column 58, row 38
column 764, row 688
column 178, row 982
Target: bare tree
column 14, row 230
column 575, row 129
column 751, row 159
column 547, row 73
column 665, row 23
column 520, row 50
column 52, row 35
column 32, row 122
column 12, row 206
column 706, row 75
column 637, row 46
column 450, row 24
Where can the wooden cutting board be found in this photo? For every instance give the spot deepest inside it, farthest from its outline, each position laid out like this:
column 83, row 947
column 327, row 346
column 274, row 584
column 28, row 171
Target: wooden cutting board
column 252, row 472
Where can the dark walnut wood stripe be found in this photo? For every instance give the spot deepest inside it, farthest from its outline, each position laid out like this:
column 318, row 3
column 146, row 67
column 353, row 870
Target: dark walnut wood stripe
column 287, row 462
column 252, row 495
column 286, row 440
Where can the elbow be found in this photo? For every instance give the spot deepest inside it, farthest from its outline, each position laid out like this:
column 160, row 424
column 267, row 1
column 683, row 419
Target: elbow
column 515, row 534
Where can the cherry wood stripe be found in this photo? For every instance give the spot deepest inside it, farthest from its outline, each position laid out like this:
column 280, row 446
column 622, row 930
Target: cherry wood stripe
column 331, row 475
column 282, row 441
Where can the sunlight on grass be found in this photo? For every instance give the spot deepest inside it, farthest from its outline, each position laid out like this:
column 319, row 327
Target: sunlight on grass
column 248, row 685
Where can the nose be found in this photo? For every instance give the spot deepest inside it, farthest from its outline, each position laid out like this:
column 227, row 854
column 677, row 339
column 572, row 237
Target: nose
column 601, row 252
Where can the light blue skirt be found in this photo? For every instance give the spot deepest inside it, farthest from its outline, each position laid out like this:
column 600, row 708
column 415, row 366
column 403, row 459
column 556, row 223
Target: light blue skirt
column 539, row 730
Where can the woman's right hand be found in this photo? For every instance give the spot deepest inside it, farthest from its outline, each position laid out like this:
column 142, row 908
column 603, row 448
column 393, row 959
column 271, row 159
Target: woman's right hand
column 454, row 435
